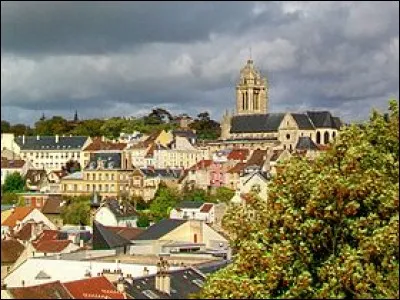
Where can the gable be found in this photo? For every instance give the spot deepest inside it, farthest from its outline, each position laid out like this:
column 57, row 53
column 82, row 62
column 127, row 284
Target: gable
column 288, row 122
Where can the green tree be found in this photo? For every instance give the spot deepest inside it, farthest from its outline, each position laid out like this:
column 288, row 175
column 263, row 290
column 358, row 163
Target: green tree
column 20, row 129
column 205, row 127
column 223, row 194
column 76, row 211
column 90, row 127
column 164, row 200
column 5, row 126
column 143, row 221
column 9, row 198
column 113, row 127
column 330, row 228
column 14, row 183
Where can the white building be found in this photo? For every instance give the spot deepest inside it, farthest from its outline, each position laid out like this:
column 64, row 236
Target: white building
column 10, row 166
column 195, row 210
column 41, row 270
column 51, row 152
column 113, row 213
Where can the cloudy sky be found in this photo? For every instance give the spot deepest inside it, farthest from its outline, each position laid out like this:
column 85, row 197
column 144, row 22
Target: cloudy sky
column 123, row 58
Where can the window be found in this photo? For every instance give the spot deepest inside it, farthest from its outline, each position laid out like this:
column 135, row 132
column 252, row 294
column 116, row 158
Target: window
column 288, row 136
column 326, row 137
column 318, row 137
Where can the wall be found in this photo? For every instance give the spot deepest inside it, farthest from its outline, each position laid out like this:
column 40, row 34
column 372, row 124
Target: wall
column 105, row 217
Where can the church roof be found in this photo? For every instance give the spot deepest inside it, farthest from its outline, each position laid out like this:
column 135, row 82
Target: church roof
column 303, row 121
column 322, row 119
column 306, row 143
column 256, row 123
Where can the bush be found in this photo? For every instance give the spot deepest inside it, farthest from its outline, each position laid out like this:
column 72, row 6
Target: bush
column 143, row 221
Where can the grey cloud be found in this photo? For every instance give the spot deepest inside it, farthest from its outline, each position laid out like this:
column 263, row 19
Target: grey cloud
column 187, row 57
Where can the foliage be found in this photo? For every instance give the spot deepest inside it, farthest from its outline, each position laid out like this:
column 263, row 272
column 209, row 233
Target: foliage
column 53, row 126
column 9, row 198
column 14, row 183
column 72, row 166
column 223, row 194
column 76, row 211
column 329, row 228
column 206, row 128
column 195, row 194
column 143, row 221
column 5, row 126
column 164, row 200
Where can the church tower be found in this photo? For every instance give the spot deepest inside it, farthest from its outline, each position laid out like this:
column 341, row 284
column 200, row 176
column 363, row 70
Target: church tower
column 251, row 91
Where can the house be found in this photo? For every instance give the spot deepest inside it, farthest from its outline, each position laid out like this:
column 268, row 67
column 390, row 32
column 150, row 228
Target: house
column 54, row 178
column 37, row 181
column 29, row 231
column 11, row 250
column 87, row 288
column 33, row 199
column 21, row 215
column 9, row 166
column 52, row 209
column 255, row 182
column 165, row 284
column 129, row 233
column 73, row 266
column 107, row 173
column 51, row 152
column 115, row 213
column 177, row 236
column 51, row 290
column 195, row 210
column 105, row 238
column 93, row 288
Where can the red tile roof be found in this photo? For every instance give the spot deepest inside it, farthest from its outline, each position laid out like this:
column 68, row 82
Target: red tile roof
column 51, row 246
column 12, row 164
column 48, row 235
column 10, row 250
column 51, row 290
column 93, row 288
column 204, row 163
column 206, row 207
column 238, row 154
column 25, row 233
column 98, row 145
column 18, row 214
column 237, row 168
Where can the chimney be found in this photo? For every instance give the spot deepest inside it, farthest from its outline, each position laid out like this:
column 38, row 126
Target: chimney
column 38, row 137
column 167, row 280
column 158, row 276
column 23, row 139
column 145, row 271
column 81, row 243
column 121, row 285
column 88, row 273
column 103, row 138
column 57, row 138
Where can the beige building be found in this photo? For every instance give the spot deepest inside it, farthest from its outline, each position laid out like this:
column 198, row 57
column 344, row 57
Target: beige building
column 254, row 127
column 106, row 173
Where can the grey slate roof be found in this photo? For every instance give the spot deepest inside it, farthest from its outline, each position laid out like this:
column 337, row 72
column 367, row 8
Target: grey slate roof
column 154, row 232
column 190, row 204
column 303, row 121
column 110, row 161
column 183, row 283
column 321, row 119
column 337, row 122
column 174, row 173
column 126, row 211
column 49, row 142
column 305, row 143
column 104, row 238
column 256, row 123
column 185, row 133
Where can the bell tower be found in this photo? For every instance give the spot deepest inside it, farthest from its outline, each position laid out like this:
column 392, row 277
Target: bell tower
column 251, row 91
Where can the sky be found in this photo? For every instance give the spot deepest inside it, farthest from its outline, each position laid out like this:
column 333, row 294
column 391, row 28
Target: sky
column 124, row 58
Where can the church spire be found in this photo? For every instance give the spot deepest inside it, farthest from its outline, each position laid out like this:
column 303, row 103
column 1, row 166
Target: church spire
column 43, row 117
column 76, row 116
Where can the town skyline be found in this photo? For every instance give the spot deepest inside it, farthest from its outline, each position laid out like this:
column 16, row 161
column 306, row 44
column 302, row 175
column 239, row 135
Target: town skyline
column 316, row 56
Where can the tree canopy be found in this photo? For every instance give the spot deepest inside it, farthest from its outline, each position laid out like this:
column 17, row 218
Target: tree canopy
column 76, row 211
column 330, row 227
column 13, row 183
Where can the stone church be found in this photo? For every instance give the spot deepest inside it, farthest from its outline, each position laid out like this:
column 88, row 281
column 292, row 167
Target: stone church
column 252, row 126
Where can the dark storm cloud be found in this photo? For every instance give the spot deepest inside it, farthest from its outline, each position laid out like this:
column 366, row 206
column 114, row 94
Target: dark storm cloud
column 111, row 58
column 103, row 27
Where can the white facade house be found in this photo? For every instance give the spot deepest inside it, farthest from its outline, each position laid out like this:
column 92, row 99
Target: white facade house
column 9, row 166
column 41, row 270
column 113, row 213
column 256, row 183
column 22, row 215
column 193, row 210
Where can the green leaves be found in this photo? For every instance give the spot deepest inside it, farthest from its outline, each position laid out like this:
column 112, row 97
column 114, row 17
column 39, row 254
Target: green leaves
column 330, row 227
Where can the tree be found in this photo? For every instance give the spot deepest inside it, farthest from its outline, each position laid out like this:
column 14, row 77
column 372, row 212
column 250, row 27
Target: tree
column 20, row 129
column 329, row 228
column 205, row 127
column 223, row 194
column 164, row 200
column 9, row 198
column 72, row 166
column 143, row 221
column 76, row 211
column 5, row 126
column 14, row 183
